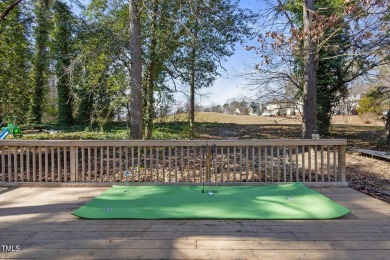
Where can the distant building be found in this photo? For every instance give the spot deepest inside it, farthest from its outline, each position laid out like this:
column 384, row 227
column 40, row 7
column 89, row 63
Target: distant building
column 282, row 107
column 256, row 109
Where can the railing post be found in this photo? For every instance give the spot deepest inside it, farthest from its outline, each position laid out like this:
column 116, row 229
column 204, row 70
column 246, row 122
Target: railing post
column 208, row 164
column 341, row 164
column 73, row 163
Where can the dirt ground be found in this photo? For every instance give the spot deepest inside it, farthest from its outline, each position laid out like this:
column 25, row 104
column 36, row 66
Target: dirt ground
column 369, row 175
column 365, row 174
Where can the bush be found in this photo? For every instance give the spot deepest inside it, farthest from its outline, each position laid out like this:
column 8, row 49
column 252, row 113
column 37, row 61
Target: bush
column 371, row 104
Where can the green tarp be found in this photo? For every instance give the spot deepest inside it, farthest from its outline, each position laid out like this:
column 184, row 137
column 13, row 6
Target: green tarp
column 276, row 201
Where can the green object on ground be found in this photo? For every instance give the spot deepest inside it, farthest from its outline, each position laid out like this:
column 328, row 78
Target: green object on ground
column 13, row 129
column 276, row 201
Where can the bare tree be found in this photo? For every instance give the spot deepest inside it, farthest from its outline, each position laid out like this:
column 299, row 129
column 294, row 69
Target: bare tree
column 293, row 44
column 309, row 71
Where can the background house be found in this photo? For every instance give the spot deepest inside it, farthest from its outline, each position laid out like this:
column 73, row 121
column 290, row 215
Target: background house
column 282, row 107
column 256, row 109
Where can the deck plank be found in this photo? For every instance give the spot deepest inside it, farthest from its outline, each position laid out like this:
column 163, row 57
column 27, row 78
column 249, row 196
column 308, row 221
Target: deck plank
column 39, row 220
column 374, row 153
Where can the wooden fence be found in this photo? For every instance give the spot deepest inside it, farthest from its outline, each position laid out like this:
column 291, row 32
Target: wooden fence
column 192, row 161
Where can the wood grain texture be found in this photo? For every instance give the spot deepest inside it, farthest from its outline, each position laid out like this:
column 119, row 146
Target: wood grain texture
column 39, row 220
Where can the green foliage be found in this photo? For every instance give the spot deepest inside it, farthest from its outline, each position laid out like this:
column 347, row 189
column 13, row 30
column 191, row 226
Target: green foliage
column 331, row 80
column 221, row 24
column 84, row 114
column 171, row 131
column 161, row 33
column 62, row 54
column 371, row 103
column 163, row 131
column 100, row 70
column 210, row 31
column 14, row 69
column 41, row 59
column 332, row 69
column 51, row 109
column 86, row 61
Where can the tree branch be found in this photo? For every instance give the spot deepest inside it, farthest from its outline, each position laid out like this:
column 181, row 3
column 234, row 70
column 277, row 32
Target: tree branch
column 9, row 9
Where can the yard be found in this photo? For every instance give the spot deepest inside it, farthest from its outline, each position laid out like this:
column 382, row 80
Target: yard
column 36, row 222
column 368, row 175
column 365, row 174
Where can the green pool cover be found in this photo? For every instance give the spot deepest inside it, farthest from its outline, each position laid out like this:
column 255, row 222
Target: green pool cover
column 279, row 201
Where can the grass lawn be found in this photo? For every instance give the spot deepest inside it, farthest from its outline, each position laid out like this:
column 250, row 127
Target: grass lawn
column 222, row 126
column 365, row 174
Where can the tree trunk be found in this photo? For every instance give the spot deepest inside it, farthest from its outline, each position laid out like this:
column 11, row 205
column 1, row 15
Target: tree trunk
column 387, row 127
column 136, row 120
column 150, row 73
column 40, row 61
column 192, row 79
column 310, row 73
column 62, row 51
column 84, row 114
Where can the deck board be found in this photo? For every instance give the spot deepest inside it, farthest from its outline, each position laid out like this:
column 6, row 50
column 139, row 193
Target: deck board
column 39, row 220
column 377, row 154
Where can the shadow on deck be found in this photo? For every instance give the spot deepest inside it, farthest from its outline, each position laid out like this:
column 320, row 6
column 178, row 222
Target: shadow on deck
column 38, row 220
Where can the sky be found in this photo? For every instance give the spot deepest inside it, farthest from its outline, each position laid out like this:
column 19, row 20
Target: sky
column 228, row 85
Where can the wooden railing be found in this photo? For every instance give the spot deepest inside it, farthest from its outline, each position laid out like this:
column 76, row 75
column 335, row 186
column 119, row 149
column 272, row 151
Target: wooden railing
column 192, row 161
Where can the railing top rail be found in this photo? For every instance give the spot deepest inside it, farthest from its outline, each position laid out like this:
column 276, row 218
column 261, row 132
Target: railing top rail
column 146, row 143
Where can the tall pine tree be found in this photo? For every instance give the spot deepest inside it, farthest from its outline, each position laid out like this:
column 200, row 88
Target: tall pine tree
column 15, row 64
column 41, row 59
column 62, row 54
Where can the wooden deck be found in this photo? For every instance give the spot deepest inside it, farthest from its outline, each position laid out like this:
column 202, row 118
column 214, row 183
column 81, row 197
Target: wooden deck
column 373, row 153
column 38, row 220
